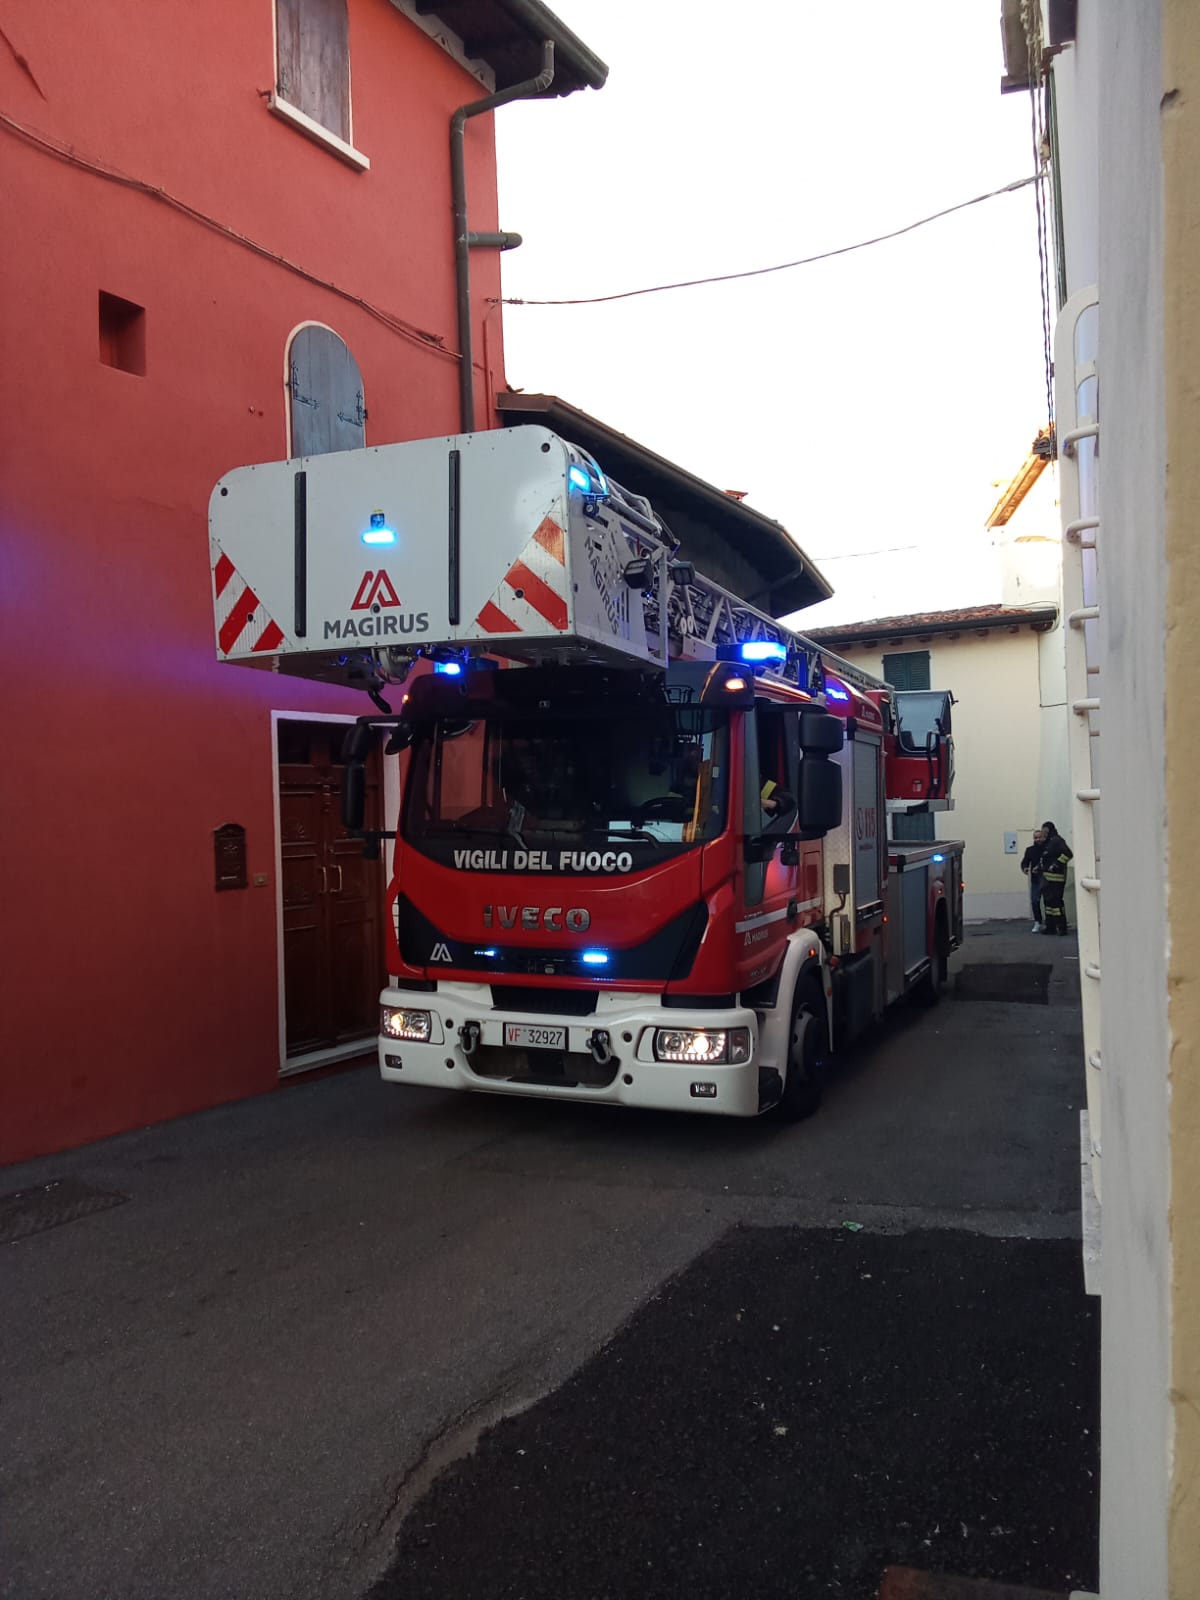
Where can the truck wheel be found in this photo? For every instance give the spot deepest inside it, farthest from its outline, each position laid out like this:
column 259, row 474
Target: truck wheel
column 929, row 991
column 808, row 1053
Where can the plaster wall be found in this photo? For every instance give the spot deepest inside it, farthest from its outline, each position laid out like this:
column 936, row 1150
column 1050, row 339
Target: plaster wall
column 132, row 743
column 1010, row 754
column 1136, row 1303
column 1180, row 132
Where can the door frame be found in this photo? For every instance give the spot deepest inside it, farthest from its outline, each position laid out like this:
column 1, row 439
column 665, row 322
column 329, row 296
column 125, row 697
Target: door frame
column 289, row 1066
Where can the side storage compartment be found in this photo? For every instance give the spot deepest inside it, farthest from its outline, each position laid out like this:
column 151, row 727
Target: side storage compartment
column 853, row 998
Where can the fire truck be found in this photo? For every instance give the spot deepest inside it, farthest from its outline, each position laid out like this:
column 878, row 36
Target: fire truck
column 641, row 856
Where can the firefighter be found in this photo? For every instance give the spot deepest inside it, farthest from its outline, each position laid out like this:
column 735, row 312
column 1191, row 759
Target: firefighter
column 1056, row 854
column 1031, row 866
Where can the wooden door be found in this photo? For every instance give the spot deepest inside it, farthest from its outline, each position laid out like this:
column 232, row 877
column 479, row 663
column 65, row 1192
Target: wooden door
column 328, row 410
column 332, row 897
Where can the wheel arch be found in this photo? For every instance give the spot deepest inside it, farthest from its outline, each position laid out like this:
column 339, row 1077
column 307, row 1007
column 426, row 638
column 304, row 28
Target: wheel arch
column 805, row 959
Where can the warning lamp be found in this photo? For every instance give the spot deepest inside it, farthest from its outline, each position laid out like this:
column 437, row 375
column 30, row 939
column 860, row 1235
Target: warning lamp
column 763, row 650
column 379, row 532
column 589, row 479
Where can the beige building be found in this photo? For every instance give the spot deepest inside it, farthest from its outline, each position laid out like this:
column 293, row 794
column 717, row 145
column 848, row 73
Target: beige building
column 1115, row 94
column 1004, row 665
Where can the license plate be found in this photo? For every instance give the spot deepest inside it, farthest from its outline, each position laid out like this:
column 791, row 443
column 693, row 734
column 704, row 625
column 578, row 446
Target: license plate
column 528, row 1037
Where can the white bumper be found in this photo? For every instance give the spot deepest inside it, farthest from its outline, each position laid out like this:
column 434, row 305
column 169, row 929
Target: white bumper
column 628, row 1019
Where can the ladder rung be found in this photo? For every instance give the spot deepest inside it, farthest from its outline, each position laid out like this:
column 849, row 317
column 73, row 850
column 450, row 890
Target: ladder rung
column 1088, row 796
column 1080, row 525
column 1081, row 707
column 1092, row 970
column 1084, row 614
column 1088, row 430
column 1092, row 885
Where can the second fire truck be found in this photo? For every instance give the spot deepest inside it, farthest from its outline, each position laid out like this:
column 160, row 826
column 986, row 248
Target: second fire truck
column 641, row 856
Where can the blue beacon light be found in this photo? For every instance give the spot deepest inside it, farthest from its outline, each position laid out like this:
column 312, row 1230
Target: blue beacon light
column 587, row 482
column 763, row 650
column 452, row 669
column 379, row 532
column 836, row 692
column 594, row 958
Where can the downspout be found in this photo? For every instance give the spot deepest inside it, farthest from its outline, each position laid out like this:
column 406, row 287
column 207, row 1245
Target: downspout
column 464, row 241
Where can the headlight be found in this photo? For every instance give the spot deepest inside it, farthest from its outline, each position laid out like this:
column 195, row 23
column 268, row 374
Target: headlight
column 398, row 1022
column 700, row 1046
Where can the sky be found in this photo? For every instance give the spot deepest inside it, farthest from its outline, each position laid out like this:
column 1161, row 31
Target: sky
column 870, row 403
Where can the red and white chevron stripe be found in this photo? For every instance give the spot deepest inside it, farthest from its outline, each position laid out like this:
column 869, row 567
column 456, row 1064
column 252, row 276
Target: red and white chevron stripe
column 243, row 625
column 532, row 596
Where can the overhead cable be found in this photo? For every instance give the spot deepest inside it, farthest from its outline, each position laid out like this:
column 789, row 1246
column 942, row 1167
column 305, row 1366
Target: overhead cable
column 783, row 266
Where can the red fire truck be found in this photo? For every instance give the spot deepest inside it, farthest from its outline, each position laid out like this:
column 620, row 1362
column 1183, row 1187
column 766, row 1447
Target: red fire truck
column 641, row 856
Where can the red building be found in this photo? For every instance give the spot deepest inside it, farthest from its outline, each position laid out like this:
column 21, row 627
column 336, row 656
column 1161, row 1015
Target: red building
column 228, row 238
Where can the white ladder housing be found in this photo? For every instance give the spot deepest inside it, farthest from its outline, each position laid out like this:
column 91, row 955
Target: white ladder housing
column 1077, row 410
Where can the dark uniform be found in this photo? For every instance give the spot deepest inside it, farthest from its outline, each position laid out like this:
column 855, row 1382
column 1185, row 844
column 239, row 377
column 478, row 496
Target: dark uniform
column 1031, row 862
column 1056, row 854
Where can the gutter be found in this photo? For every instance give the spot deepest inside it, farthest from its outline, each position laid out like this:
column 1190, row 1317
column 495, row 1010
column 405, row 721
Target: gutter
column 465, row 241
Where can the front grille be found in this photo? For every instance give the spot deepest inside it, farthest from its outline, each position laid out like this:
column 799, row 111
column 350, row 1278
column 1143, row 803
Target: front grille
column 554, row 1069
column 546, row 1002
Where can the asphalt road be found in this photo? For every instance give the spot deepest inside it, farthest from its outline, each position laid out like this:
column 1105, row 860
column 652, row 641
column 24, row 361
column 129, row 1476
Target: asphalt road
column 240, row 1381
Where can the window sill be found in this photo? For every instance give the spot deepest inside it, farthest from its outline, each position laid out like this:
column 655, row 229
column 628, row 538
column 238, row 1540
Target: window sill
column 319, row 135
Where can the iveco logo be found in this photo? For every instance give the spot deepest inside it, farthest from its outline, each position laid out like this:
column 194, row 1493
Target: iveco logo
column 531, row 918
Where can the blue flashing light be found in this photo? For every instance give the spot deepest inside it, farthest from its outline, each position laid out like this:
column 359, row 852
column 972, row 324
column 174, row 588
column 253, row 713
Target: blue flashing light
column 764, row 650
column 485, row 953
column 452, row 669
column 379, row 532
column 588, row 480
column 594, row 958
column 835, row 692
column 939, row 858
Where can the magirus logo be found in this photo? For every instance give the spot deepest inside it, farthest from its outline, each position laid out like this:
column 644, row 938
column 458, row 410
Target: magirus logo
column 385, row 619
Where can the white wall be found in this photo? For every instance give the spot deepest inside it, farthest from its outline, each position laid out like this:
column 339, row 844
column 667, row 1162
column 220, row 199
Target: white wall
column 1010, row 754
column 1120, row 46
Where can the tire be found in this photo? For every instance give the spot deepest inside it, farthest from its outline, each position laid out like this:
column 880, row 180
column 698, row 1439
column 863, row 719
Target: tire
column 808, row 1053
column 929, row 991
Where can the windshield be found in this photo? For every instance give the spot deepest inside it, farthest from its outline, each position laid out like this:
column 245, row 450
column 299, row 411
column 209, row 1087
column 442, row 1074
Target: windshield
column 921, row 714
column 646, row 776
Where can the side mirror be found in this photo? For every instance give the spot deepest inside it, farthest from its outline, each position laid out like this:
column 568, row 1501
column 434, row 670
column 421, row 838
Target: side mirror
column 821, row 733
column 820, row 798
column 354, row 796
column 358, row 742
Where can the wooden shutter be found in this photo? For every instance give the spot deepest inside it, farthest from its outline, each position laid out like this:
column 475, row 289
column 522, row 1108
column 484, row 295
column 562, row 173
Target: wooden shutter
column 908, row 670
column 328, row 408
column 312, row 55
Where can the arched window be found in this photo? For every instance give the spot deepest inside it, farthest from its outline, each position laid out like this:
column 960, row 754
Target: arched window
column 327, row 405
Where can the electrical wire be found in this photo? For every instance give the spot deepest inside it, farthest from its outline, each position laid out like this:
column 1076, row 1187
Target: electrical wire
column 64, row 153
column 857, row 555
column 783, row 266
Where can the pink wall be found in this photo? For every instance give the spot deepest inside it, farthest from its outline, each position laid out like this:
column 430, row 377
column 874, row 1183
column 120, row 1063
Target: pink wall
column 131, row 990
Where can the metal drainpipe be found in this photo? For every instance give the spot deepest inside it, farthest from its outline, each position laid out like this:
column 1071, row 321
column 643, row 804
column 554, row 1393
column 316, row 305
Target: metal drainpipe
column 463, row 240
